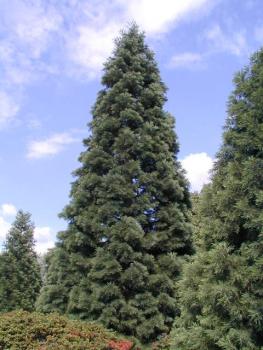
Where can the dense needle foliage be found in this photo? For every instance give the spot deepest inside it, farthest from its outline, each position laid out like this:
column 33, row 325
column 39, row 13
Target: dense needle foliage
column 20, row 278
column 129, row 227
column 221, row 293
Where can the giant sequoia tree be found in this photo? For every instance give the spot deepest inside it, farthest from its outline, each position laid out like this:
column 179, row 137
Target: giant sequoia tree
column 222, row 289
column 20, row 278
column 128, row 216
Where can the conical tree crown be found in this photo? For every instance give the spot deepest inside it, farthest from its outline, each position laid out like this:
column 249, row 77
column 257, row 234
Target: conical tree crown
column 20, row 278
column 21, row 236
column 128, row 215
column 222, row 290
column 130, row 167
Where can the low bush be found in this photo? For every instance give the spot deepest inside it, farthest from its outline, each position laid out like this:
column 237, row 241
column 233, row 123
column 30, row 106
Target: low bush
column 21, row 330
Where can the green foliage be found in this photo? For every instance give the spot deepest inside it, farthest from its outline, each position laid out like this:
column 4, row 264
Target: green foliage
column 20, row 278
column 59, row 280
column 164, row 343
column 196, row 219
column 221, row 293
column 129, row 228
column 21, row 330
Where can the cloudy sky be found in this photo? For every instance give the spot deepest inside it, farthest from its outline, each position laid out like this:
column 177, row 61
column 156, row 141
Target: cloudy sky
column 51, row 55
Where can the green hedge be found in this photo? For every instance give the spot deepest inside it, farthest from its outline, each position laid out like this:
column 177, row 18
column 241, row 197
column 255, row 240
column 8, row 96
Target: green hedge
column 21, row 330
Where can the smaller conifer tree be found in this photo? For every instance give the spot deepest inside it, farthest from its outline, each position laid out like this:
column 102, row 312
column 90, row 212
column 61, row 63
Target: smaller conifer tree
column 20, row 277
column 221, row 293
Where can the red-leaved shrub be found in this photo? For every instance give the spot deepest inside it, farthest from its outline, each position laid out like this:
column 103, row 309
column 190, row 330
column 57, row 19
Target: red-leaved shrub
column 120, row 345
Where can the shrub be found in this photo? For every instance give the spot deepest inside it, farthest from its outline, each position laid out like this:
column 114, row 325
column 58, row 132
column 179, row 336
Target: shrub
column 21, row 330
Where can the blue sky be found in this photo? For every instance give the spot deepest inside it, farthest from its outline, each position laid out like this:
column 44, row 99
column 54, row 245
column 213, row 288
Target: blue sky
column 51, row 55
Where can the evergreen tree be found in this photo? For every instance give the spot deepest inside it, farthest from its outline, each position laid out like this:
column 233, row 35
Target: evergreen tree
column 20, row 278
column 196, row 219
column 221, row 293
column 128, row 217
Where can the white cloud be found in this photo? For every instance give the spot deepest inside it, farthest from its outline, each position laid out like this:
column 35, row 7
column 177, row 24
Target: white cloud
column 157, row 16
column 43, row 247
column 76, row 37
column 50, row 146
column 28, row 30
column 8, row 109
column 41, row 233
column 4, row 227
column 89, row 47
column 197, row 167
column 231, row 42
column 42, row 38
column 8, row 209
column 33, row 25
column 44, row 239
column 187, row 60
column 91, row 42
column 234, row 43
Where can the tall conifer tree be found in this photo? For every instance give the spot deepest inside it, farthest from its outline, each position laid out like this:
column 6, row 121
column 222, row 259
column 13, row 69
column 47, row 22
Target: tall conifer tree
column 222, row 289
column 128, row 216
column 20, row 278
